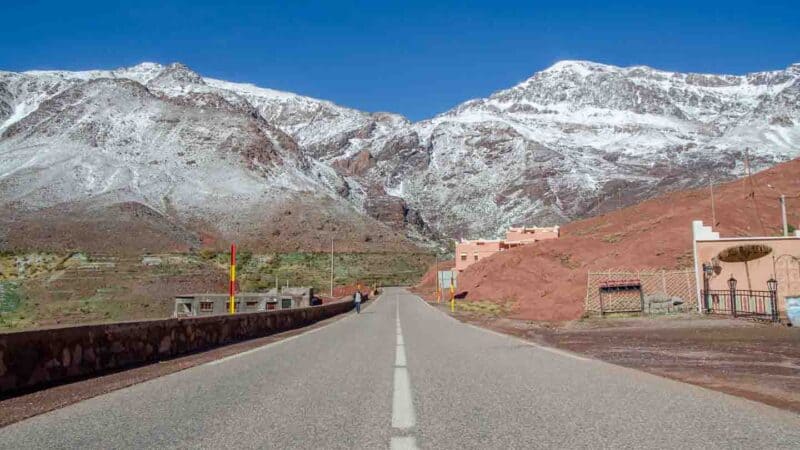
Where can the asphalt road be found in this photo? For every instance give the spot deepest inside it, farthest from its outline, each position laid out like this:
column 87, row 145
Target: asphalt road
column 403, row 375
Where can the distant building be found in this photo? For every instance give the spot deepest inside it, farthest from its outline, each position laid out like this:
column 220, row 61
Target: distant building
column 470, row 251
column 191, row 305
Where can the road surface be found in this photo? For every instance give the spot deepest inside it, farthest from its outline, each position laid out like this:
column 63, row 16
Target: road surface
column 403, row 375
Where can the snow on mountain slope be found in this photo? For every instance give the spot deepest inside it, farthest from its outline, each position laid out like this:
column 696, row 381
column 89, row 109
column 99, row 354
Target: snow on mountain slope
column 576, row 139
column 580, row 138
column 200, row 159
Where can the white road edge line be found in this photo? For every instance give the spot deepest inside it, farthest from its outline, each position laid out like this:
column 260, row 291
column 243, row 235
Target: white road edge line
column 403, row 443
column 531, row 344
column 272, row 344
column 552, row 350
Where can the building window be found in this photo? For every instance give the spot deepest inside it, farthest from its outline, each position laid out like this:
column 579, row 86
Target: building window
column 251, row 305
column 206, row 306
column 476, row 256
column 463, row 256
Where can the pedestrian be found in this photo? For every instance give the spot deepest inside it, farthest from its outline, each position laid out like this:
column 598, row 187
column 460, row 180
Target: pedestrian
column 357, row 299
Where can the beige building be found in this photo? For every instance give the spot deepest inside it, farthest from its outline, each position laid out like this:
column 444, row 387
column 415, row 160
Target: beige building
column 191, row 305
column 470, row 251
column 735, row 275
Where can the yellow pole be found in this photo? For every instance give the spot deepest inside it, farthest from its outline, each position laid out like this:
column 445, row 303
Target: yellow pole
column 452, row 294
column 438, row 288
column 232, row 293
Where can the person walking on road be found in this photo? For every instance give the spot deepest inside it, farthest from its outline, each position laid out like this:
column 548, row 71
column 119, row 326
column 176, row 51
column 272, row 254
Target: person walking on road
column 357, row 300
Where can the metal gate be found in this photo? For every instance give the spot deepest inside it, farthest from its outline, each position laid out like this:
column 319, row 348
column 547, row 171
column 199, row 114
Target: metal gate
column 621, row 296
column 741, row 303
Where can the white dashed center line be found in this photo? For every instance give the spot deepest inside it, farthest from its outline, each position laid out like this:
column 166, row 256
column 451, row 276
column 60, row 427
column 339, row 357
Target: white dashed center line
column 402, row 405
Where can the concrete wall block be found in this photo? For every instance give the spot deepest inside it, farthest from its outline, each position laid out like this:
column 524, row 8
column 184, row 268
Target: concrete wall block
column 40, row 357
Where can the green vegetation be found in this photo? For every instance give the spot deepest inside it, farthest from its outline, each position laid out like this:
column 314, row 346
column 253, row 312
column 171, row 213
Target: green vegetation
column 485, row 308
column 11, row 315
column 612, row 238
column 9, row 297
column 261, row 272
column 40, row 289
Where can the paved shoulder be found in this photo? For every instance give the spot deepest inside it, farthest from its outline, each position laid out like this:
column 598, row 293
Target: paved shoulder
column 477, row 389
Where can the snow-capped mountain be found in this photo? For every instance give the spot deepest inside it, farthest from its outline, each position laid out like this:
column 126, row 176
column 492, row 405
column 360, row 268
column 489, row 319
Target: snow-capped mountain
column 580, row 138
column 575, row 139
column 195, row 157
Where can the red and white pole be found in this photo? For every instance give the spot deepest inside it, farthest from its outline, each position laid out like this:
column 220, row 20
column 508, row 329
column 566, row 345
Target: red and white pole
column 232, row 290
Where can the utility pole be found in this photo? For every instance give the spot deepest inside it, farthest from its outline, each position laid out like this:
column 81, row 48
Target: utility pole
column 783, row 215
column 331, row 267
column 713, row 210
column 783, row 210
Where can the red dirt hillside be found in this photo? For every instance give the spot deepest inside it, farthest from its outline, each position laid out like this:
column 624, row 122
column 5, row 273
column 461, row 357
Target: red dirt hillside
column 547, row 280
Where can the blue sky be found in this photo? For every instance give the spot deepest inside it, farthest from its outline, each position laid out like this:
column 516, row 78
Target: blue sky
column 417, row 58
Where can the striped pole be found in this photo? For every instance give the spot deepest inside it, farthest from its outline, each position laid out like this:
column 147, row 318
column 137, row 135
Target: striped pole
column 232, row 291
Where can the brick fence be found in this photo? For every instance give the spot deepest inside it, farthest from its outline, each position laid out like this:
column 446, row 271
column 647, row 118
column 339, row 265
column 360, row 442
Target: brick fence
column 35, row 358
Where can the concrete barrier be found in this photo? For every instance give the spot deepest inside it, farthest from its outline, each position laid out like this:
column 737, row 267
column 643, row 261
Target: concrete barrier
column 36, row 358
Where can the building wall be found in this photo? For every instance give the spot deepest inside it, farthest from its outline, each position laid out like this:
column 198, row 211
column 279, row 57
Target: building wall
column 782, row 263
column 193, row 304
column 470, row 252
column 532, row 234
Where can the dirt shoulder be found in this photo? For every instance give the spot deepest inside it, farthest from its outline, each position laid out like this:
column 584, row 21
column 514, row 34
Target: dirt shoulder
column 757, row 361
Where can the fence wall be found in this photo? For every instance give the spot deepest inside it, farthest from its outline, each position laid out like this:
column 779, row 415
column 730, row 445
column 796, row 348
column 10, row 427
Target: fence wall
column 660, row 288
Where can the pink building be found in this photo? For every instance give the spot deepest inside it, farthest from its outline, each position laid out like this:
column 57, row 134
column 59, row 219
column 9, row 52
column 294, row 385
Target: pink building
column 470, row 251
column 526, row 235
column 745, row 265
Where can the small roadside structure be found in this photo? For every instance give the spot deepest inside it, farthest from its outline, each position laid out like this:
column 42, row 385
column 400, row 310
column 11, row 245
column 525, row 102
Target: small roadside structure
column 755, row 277
column 192, row 305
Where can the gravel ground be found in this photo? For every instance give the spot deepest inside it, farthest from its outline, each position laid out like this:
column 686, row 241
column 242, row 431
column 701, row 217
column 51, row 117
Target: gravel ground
column 749, row 359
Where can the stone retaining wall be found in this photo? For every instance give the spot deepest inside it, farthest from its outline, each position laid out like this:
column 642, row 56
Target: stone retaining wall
column 30, row 359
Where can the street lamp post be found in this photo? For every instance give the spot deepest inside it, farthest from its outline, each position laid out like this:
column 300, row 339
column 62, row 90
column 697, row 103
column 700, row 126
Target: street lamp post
column 708, row 270
column 732, row 287
column 772, row 285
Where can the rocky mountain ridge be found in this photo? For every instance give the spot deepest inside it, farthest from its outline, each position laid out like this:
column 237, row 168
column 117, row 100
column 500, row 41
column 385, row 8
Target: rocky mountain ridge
column 576, row 139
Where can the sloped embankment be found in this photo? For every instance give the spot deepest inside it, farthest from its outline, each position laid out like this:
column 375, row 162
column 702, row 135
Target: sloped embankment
column 547, row 281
